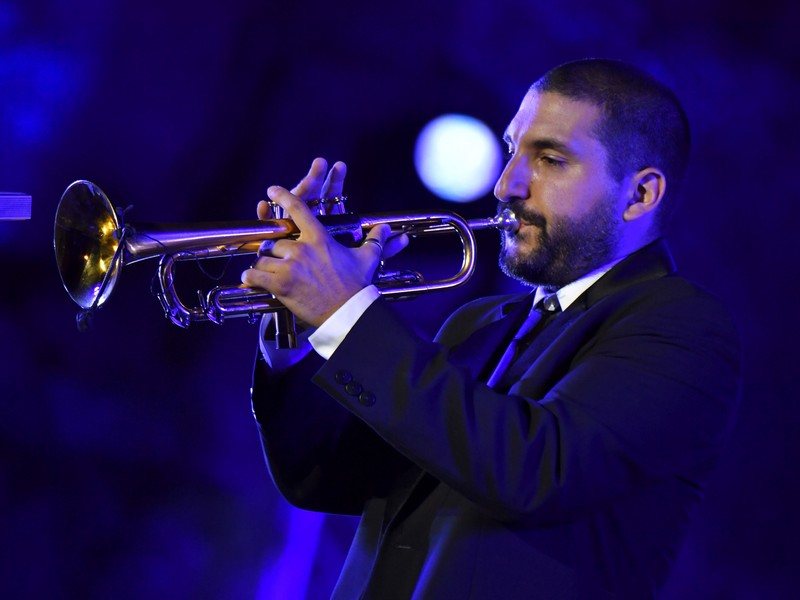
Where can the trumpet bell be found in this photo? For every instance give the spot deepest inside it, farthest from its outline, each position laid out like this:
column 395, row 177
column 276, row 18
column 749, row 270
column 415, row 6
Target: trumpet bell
column 86, row 242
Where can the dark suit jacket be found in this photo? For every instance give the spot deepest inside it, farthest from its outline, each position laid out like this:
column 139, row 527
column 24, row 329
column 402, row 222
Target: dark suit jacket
column 576, row 482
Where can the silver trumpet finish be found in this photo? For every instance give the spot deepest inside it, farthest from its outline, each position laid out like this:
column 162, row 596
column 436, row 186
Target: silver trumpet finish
column 92, row 244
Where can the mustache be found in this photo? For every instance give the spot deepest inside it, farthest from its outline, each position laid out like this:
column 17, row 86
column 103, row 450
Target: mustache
column 523, row 213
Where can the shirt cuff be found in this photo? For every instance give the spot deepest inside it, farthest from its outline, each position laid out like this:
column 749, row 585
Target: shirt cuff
column 326, row 339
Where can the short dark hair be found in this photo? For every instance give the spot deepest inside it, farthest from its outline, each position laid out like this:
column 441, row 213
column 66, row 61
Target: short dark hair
column 643, row 124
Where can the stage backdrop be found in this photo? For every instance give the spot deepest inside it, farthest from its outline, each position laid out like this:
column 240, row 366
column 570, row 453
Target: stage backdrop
column 130, row 466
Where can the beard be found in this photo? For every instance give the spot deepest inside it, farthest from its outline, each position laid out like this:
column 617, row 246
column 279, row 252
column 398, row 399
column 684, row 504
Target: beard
column 565, row 249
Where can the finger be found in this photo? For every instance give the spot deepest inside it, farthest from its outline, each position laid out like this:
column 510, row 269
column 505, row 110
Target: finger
column 257, row 277
column 278, row 249
column 310, row 186
column 266, row 262
column 265, row 249
column 380, row 233
column 264, row 210
column 297, row 210
column 391, row 242
column 334, row 182
column 395, row 243
column 375, row 240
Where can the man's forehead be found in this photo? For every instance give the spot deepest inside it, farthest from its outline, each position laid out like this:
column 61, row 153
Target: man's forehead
column 552, row 115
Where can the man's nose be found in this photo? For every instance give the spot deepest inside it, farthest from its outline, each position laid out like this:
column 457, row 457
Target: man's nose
column 513, row 181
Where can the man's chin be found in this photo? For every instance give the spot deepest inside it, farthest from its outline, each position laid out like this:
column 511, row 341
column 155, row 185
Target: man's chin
column 516, row 271
column 521, row 245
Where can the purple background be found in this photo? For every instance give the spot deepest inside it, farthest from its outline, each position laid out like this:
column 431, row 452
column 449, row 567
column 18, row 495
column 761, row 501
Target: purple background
column 129, row 463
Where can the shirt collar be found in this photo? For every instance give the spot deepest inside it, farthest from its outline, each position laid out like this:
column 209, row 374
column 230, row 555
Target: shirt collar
column 570, row 292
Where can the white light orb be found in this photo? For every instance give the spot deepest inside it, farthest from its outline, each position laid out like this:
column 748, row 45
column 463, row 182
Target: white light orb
column 457, row 158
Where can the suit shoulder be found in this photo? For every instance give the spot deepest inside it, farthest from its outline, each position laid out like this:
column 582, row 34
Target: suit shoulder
column 675, row 291
column 672, row 307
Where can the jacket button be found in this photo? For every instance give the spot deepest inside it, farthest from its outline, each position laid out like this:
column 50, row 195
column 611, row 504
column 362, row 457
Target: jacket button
column 353, row 388
column 343, row 377
column 366, row 398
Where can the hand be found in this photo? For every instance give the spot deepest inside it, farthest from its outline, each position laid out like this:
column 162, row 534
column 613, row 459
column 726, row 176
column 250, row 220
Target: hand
column 314, row 185
column 314, row 275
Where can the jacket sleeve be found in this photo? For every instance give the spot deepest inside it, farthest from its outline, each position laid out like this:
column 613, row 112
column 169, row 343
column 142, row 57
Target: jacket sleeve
column 320, row 456
column 643, row 394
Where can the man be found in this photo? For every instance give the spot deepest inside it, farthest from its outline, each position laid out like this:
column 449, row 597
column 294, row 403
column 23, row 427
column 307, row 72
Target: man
column 569, row 473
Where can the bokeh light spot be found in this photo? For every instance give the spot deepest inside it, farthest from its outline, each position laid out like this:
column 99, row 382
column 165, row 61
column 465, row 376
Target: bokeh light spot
column 457, row 157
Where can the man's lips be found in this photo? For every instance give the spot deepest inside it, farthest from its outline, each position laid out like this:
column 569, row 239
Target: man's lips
column 526, row 223
column 524, row 217
column 527, row 232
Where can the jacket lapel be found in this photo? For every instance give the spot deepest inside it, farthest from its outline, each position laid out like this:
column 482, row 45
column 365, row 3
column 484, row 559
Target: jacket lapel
column 482, row 349
column 539, row 344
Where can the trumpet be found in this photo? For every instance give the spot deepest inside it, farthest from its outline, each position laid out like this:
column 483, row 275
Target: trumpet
column 93, row 243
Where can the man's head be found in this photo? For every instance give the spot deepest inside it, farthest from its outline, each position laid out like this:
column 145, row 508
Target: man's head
column 591, row 150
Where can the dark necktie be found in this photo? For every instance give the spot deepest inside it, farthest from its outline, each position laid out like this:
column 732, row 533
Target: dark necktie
column 539, row 316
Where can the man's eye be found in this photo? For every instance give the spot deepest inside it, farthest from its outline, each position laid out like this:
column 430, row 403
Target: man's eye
column 552, row 161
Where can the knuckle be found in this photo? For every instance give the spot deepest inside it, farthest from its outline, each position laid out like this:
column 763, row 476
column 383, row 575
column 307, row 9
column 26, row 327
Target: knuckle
column 282, row 287
column 282, row 248
column 253, row 278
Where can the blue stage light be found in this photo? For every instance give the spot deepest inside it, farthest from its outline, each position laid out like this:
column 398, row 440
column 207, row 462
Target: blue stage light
column 457, row 157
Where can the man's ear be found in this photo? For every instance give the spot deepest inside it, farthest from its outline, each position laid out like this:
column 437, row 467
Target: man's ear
column 646, row 191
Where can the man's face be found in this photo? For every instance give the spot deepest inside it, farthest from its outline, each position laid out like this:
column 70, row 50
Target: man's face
column 569, row 208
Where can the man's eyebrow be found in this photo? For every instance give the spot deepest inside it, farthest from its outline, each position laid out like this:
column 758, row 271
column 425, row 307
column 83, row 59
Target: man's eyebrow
column 550, row 144
column 541, row 144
